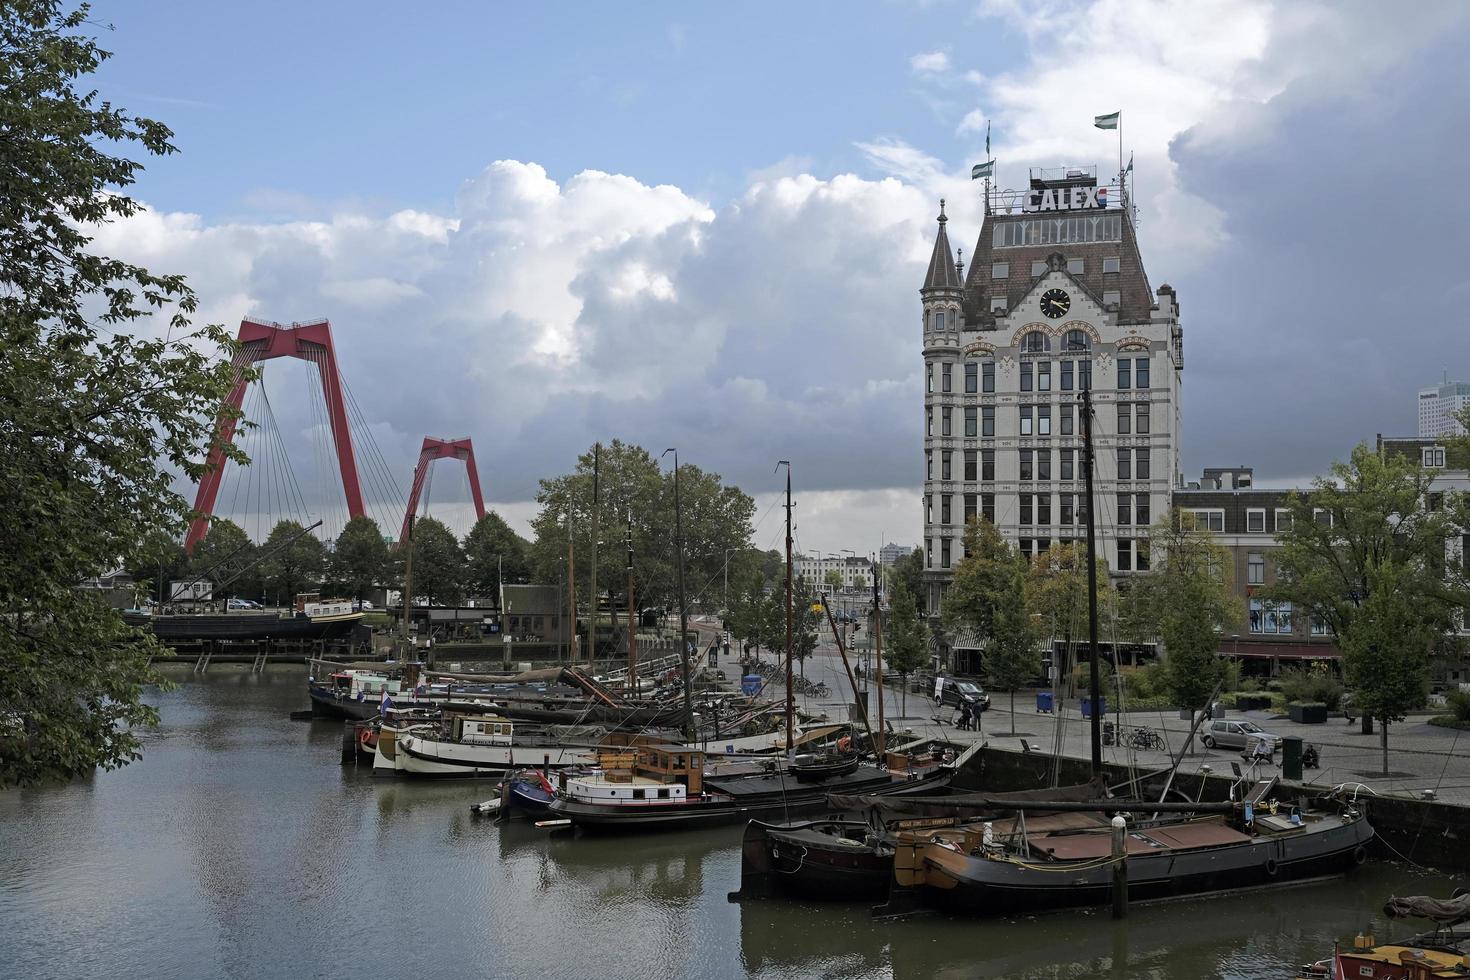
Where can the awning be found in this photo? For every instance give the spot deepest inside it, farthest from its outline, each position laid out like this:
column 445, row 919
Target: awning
column 1286, row 651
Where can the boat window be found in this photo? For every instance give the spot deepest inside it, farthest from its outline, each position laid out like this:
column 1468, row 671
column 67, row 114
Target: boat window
column 663, row 794
column 638, row 794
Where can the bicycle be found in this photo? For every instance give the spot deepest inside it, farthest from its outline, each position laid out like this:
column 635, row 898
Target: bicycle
column 1141, row 739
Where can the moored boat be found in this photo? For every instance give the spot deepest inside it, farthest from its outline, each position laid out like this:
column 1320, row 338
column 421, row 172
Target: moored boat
column 1441, row 952
column 491, row 745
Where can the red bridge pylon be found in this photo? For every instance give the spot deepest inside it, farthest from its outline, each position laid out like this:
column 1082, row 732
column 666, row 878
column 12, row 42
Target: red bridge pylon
column 261, row 342
column 442, row 449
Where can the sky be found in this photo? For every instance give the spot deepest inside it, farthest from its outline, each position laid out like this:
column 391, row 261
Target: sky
column 705, row 226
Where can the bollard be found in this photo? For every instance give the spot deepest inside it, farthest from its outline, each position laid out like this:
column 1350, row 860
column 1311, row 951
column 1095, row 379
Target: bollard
column 1120, row 868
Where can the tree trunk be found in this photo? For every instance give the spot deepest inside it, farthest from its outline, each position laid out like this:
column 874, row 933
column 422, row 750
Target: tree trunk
column 1384, row 737
column 1013, row 711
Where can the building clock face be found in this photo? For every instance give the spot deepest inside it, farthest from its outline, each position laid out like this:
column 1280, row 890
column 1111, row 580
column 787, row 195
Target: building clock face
column 1055, row 303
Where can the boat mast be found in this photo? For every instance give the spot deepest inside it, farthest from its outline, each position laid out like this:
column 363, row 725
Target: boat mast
column 1095, row 674
column 571, row 591
column 632, row 635
column 592, row 589
column 882, row 743
column 683, row 608
column 406, row 605
column 790, row 701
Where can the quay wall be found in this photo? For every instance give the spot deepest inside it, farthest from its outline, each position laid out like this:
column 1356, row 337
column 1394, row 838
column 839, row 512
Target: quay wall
column 1430, row 833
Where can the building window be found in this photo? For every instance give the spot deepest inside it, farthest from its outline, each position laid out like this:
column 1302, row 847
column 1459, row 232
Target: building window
column 1038, row 268
column 929, row 553
column 946, row 428
column 1125, row 508
column 946, row 383
column 1025, row 508
column 1141, row 465
column 970, row 430
column 1082, row 506
column 1025, row 420
column 1075, row 266
column 1209, row 520
column 1067, row 456
column 1076, row 340
column 987, row 464
column 972, row 377
column 1125, row 555
column 928, row 509
column 944, row 508
column 1140, row 510
column 1043, row 464
column 1255, row 568
column 1024, row 547
column 944, row 465
column 1111, row 297
column 987, row 506
column 1027, row 464
column 1125, row 418
column 1043, row 420
column 1066, row 506
column 1035, row 342
column 928, row 464
column 1319, row 626
column 987, row 377
column 1124, row 373
column 1268, row 618
column 1140, row 373
column 1026, row 369
column 1255, row 521
column 928, row 421
column 1322, row 517
column 939, row 320
column 1084, row 375
column 1140, row 556
column 1283, row 519
column 1140, row 418
column 969, row 507
column 1043, row 509
column 1066, row 384
column 1433, row 456
column 1111, row 263
column 1068, row 414
column 1043, row 376
column 1125, row 464
column 931, row 379
column 970, row 466
column 987, row 420
column 1000, row 270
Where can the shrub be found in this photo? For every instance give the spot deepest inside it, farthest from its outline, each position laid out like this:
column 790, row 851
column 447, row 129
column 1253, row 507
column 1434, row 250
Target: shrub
column 1450, row 721
column 1249, row 685
column 1082, row 677
column 1312, row 685
column 1459, row 705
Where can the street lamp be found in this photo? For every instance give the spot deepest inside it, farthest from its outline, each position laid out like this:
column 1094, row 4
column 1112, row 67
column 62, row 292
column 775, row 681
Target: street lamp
column 728, row 553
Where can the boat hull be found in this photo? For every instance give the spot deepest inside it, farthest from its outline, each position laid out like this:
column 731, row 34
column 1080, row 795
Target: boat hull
column 822, row 860
column 420, row 757
column 978, row 886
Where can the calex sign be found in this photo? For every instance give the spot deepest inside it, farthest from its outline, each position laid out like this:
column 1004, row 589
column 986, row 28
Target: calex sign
column 1066, row 199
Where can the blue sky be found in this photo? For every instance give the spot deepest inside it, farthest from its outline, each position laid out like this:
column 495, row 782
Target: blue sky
column 284, row 103
column 705, row 225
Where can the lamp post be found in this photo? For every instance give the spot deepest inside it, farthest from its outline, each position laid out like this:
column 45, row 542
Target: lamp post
column 683, row 608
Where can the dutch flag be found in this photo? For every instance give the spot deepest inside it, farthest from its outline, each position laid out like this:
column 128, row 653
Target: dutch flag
column 1102, row 197
column 387, row 703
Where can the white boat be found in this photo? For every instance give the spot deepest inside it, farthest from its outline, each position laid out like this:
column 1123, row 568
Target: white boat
column 488, row 745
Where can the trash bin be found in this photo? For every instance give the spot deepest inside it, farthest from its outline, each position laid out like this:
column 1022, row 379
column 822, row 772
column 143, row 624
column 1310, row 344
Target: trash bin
column 1043, row 701
column 1291, row 757
column 1087, row 706
column 750, row 685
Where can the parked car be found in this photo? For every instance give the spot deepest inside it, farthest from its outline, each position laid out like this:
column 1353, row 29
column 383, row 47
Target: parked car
column 362, row 605
column 243, row 604
column 955, row 691
column 1237, row 735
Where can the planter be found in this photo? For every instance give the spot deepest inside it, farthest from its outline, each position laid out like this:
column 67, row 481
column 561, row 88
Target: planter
column 1307, row 712
column 1252, row 702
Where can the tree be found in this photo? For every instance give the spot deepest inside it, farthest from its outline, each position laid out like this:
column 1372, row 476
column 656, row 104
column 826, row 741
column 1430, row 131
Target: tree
column 988, row 596
column 493, row 550
column 226, row 555
column 439, row 571
column 910, row 571
column 1187, row 601
column 715, row 517
column 359, row 559
column 833, row 579
column 1011, row 658
column 1056, row 592
column 806, row 620
column 1373, row 524
column 93, row 396
column 290, row 568
column 908, row 639
column 160, row 559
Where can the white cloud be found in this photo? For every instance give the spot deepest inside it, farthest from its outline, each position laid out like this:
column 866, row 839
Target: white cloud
column 930, row 62
column 974, row 122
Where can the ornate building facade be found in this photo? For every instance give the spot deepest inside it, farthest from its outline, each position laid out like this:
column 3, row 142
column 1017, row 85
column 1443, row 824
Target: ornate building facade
column 1056, row 301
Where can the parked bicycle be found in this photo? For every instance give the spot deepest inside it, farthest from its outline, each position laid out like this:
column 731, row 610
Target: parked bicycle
column 1145, row 739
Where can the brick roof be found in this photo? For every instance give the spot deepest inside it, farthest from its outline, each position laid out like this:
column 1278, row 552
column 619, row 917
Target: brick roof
column 1136, row 300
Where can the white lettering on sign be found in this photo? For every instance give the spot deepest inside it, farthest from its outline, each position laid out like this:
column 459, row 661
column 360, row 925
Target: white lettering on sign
column 1066, row 199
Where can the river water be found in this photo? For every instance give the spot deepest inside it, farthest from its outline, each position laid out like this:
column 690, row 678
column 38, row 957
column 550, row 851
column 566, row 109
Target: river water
column 240, row 848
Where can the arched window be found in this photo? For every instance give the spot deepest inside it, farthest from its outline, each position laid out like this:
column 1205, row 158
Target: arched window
column 1077, row 340
column 1035, row 342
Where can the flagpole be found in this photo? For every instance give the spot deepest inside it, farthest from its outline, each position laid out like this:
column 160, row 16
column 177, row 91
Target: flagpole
column 1121, row 193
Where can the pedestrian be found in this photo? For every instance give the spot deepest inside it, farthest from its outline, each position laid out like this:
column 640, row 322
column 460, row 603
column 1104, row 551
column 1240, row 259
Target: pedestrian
column 964, row 716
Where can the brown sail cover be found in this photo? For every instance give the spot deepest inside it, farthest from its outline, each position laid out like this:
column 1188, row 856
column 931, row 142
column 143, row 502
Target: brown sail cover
column 896, row 807
column 1445, row 911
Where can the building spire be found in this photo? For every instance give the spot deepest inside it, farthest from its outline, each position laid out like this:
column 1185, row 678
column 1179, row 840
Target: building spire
column 942, row 273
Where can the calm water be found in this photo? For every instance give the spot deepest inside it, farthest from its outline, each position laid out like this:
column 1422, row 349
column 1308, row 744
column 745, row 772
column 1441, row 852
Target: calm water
column 240, row 848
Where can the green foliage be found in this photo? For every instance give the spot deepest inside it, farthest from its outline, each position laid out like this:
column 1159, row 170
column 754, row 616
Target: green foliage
column 492, row 549
column 832, row 579
column 1082, row 677
column 294, row 567
column 1186, row 601
column 910, row 571
column 978, row 581
column 438, row 563
column 225, row 554
column 1312, row 685
column 1056, row 591
column 1459, row 704
column 360, row 559
column 631, row 481
column 907, row 638
column 1450, row 721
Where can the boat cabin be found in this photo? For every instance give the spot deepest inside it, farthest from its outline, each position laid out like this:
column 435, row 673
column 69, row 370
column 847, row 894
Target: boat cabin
column 358, row 684
column 482, row 729
column 640, row 774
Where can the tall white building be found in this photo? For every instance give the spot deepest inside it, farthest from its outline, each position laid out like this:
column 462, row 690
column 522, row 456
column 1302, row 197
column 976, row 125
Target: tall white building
column 1056, row 301
column 1437, row 408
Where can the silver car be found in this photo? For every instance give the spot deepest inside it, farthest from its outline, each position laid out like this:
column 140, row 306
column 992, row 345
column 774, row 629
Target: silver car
column 1238, row 735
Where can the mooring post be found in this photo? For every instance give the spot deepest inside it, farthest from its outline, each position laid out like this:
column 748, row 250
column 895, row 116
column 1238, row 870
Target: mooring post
column 1120, row 867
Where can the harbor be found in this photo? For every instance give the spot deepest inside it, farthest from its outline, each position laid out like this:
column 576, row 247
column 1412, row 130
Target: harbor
column 242, row 848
